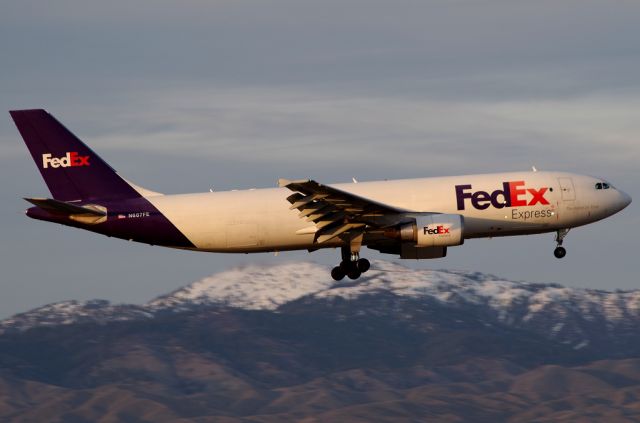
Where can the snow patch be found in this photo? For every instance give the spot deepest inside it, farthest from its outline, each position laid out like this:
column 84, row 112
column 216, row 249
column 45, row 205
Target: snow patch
column 257, row 287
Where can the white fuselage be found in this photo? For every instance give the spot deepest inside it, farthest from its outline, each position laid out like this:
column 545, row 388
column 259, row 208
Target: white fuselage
column 261, row 219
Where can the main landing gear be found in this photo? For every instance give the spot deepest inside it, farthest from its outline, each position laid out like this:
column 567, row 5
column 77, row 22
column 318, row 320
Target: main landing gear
column 560, row 251
column 351, row 265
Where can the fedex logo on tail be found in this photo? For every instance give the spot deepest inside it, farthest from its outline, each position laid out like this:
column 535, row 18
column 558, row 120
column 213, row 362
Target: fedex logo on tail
column 71, row 159
column 512, row 194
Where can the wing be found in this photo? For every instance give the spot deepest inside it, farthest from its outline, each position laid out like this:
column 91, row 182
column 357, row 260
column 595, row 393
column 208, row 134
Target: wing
column 335, row 212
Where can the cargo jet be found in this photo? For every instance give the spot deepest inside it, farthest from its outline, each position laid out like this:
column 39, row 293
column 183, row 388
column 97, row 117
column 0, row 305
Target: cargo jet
column 410, row 218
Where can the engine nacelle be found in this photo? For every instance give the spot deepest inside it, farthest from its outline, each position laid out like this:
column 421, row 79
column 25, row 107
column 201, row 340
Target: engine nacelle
column 435, row 230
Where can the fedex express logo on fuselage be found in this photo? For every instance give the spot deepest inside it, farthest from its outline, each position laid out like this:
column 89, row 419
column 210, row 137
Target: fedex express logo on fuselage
column 71, row 159
column 512, row 194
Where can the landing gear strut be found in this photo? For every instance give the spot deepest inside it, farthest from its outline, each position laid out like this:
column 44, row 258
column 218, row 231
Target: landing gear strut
column 560, row 251
column 351, row 265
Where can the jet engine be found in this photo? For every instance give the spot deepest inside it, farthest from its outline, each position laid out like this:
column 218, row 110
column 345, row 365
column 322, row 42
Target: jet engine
column 434, row 230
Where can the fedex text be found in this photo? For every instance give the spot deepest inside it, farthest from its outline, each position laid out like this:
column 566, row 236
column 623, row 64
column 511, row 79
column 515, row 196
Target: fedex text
column 438, row 230
column 71, row 159
column 512, row 194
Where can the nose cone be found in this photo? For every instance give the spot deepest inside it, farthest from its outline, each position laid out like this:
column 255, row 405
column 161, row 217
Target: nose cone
column 625, row 199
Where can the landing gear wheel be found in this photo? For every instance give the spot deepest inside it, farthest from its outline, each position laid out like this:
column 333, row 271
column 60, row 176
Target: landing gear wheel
column 559, row 252
column 363, row 265
column 354, row 273
column 351, row 265
column 337, row 273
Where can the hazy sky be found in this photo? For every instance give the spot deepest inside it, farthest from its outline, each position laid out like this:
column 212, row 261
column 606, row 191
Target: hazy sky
column 181, row 96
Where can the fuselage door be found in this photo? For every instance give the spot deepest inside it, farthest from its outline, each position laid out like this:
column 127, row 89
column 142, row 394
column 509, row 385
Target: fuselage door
column 567, row 189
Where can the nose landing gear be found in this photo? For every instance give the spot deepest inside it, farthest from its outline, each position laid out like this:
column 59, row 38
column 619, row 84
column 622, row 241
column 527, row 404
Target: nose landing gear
column 560, row 251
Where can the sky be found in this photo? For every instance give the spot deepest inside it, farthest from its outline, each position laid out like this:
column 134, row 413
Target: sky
column 184, row 96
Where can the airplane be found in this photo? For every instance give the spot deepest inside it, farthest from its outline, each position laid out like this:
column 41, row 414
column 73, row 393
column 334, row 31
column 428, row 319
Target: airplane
column 410, row 218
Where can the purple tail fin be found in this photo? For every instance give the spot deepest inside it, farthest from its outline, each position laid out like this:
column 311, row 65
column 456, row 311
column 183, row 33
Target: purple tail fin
column 71, row 170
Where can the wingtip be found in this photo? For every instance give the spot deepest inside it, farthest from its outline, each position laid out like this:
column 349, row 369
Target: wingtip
column 282, row 183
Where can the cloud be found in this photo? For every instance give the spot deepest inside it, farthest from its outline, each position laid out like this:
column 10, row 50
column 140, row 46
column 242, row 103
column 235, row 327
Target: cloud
column 320, row 129
column 431, row 136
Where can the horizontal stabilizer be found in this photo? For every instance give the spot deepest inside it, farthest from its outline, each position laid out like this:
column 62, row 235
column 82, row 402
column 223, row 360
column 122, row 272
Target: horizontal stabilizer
column 56, row 206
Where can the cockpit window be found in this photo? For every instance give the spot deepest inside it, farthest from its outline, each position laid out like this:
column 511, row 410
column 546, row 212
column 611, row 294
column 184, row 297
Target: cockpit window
column 599, row 185
column 603, row 185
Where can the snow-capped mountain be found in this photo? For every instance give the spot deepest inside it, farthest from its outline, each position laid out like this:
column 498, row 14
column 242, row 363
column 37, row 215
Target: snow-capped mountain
column 573, row 316
column 267, row 288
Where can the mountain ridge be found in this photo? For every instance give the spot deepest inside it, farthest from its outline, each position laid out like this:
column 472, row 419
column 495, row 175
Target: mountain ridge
column 256, row 287
column 285, row 343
